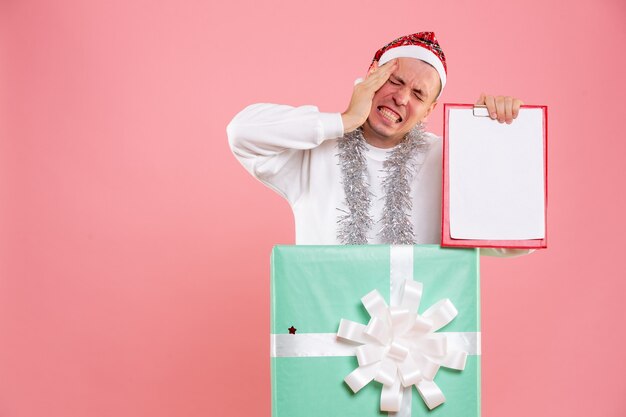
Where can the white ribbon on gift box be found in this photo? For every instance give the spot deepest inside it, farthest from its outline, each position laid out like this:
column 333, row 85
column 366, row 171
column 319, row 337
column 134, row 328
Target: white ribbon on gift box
column 398, row 348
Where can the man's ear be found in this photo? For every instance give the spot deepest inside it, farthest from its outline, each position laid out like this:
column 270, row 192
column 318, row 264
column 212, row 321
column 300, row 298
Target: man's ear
column 431, row 108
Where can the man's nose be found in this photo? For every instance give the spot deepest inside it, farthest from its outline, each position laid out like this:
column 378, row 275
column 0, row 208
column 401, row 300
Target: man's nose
column 401, row 96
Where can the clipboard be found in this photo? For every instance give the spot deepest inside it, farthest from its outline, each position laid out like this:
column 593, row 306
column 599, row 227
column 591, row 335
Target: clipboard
column 495, row 189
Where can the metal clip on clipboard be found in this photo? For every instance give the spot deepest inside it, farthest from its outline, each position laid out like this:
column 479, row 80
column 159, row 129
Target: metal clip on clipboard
column 480, row 110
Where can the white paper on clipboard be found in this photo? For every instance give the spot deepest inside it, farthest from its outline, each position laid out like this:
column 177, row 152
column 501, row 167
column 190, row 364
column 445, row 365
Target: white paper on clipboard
column 496, row 189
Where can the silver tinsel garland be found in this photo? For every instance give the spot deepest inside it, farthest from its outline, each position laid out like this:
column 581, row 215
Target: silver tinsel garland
column 354, row 225
column 400, row 167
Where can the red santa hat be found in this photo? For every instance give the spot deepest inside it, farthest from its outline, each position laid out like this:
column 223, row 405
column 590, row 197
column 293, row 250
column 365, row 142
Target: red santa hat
column 422, row 46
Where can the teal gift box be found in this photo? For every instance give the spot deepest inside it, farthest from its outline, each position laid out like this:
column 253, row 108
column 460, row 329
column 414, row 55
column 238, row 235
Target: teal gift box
column 314, row 287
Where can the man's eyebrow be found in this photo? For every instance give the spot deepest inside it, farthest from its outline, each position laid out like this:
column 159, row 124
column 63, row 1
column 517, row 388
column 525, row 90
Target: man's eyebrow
column 401, row 81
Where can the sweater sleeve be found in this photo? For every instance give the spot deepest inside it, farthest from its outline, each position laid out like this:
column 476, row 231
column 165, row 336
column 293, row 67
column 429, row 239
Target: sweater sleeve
column 273, row 143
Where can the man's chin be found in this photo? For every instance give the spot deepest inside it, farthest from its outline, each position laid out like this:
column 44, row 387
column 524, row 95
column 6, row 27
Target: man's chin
column 376, row 134
column 382, row 129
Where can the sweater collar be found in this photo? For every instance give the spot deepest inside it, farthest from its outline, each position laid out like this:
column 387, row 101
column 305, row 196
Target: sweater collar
column 378, row 154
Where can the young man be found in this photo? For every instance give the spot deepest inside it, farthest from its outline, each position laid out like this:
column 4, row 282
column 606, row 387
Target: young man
column 369, row 174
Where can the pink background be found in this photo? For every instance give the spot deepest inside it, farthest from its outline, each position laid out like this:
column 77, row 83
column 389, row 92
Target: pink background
column 134, row 250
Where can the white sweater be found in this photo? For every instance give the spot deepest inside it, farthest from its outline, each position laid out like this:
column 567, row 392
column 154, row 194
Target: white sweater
column 293, row 150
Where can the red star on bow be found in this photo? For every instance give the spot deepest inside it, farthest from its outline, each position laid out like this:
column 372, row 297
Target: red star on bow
column 292, row 330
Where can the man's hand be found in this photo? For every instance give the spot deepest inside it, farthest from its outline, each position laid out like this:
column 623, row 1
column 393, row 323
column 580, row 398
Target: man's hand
column 503, row 108
column 363, row 94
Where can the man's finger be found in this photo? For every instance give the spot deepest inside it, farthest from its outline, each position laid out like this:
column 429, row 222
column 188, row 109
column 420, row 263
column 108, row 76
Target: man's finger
column 390, row 62
column 372, row 69
column 517, row 103
column 377, row 69
column 500, row 108
column 490, row 102
column 508, row 109
column 380, row 76
column 388, row 67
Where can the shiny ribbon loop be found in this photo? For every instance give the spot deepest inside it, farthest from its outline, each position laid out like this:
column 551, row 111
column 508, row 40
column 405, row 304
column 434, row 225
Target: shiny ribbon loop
column 353, row 331
column 431, row 394
column 399, row 348
column 411, row 295
column 441, row 313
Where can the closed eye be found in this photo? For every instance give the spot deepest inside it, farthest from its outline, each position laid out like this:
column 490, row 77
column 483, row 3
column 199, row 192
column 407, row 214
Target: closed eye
column 416, row 92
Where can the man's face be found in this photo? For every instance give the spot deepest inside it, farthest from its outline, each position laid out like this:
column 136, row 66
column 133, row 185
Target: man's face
column 406, row 98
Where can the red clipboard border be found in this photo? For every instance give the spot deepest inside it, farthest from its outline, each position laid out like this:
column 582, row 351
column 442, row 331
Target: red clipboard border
column 446, row 239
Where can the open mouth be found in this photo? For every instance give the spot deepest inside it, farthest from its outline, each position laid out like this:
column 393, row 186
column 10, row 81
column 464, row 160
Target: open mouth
column 389, row 114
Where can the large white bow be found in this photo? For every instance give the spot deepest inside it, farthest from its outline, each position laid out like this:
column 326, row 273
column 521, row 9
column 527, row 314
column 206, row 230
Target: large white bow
column 399, row 348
